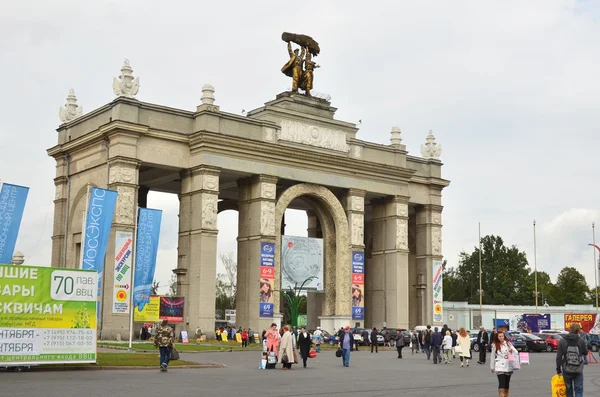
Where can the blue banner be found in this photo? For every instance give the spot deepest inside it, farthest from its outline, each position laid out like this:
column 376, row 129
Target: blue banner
column 267, row 254
column 146, row 248
column 266, row 309
column 358, row 285
column 98, row 220
column 12, row 204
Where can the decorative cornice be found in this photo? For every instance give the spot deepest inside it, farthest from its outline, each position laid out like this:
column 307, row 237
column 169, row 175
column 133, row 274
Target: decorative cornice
column 228, row 145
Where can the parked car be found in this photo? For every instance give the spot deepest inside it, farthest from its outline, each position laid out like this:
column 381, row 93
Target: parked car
column 380, row 339
column 517, row 340
column 474, row 345
column 551, row 340
column 327, row 337
column 552, row 331
column 592, row 341
column 393, row 335
column 534, row 343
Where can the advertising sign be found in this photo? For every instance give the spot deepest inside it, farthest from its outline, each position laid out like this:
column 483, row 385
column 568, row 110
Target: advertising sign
column 98, row 220
column 150, row 313
column 536, row 322
column 502, row 323
column 301, row 259
column 358, row 285
column 171, row 309
column 12, row 205
column 122, row 272
column 145, row 257
column 47, row 315
column 438, row 296
column 266, row 304
column 589, row 323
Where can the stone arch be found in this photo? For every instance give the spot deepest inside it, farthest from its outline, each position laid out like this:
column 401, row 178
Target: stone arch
column 328, row 203
column 75, row 225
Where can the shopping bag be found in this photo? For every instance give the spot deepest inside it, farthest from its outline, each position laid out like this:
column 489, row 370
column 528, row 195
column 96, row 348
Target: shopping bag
column 338, row 353
column 174, row 354
column 557, row 384
column 271, row 358
column 312, row 353
column 514, row 364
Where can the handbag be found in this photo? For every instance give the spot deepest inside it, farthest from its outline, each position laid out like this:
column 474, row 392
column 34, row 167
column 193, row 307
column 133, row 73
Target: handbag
column 338, row 352
column 174, row 354
column 284, row 357
column 312, row 353
column 514, row 363
column 457, row 349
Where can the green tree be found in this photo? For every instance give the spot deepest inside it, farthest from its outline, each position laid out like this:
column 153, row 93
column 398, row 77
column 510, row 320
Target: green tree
column 505, row 275
column 593, row 296
column 294, row 301
column 454, row 286
column 571, row 288
column 546, row 289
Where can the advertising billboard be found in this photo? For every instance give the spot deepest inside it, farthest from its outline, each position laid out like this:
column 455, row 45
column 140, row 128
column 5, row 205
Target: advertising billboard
column 47, row 315
column 301, row 259
column 590, row 323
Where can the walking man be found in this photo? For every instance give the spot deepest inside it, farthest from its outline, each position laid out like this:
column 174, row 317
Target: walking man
column 346, row 344
column 374, row 342
column 318, row 338
column 482, row 341
column 427, row 341
column 165, row 341
column 436, row 343
column 569, row 360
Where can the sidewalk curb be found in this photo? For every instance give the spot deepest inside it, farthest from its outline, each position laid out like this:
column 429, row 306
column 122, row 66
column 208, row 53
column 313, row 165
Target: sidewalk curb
column 134, row 350
column 116, row 368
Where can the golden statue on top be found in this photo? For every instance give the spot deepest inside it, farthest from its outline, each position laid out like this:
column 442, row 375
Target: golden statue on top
column 300, row 66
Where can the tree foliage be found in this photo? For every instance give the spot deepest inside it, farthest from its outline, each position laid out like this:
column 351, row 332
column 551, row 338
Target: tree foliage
column 508, row 279
column 226, row 283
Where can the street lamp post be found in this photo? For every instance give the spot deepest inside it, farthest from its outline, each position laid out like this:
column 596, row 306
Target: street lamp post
column 595, row 264
column 480, row 284
column 535, row 268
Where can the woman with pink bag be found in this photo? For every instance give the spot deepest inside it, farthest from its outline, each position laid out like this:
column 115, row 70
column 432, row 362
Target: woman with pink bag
column 505, row 359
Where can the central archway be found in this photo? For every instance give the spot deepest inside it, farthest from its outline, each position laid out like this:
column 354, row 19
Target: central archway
column 337, row 305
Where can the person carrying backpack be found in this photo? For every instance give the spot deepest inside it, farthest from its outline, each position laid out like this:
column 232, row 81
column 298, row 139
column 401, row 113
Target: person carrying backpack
column 569, row 360
column 427, row 341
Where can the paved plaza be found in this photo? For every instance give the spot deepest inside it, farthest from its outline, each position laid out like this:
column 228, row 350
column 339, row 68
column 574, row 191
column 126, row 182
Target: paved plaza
column 369, row 375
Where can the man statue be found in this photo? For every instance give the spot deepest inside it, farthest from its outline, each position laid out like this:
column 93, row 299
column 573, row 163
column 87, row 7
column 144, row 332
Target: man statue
column 293, row 68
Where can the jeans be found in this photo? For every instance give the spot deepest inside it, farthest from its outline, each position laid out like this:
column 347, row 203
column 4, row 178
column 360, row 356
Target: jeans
column 574, row 385
column 436, row 354
column 346, row 357
column 318, row 349
column 427, row 348
column 165, row 355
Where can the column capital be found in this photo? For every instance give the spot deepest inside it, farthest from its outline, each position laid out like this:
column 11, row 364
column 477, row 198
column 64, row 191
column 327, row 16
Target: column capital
column 356, row 192
column 264, row 178
column 204, row 169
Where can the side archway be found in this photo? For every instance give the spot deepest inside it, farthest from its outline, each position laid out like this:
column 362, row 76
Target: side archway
column 340, row 271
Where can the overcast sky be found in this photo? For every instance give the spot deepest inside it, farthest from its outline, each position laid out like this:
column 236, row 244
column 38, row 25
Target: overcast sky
column 510, row 90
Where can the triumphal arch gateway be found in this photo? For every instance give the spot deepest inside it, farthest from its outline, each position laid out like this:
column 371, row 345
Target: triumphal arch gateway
column 360, row 196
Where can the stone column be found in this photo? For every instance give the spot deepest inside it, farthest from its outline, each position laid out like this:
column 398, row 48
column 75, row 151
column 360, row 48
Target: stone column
column 354, row 205
column 60, row 214
column 197, row 251
column 123, row 177
column 387, row 273
column 314, row 299
column 429, row 248
column 256, row 200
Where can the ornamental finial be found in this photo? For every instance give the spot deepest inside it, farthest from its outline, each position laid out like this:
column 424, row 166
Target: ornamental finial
column 126, row 85
column 431, row 150
column 71, row 110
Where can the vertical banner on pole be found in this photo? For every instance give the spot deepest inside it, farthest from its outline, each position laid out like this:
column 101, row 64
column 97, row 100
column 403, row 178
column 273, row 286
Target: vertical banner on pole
column 100, row 210
column 438, row 297
column 12, row 205
column 122, row 272
column 267, row 277
column 358, row 285
column 148, row 233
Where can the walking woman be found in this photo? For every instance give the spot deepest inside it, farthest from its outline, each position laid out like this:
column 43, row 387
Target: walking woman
column 272, row 339
column 502, row 353
column 463, row 343
column 287, row 355
column 374, row 340
column 447, row 344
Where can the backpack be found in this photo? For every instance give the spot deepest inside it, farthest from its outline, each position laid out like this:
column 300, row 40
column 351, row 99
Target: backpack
column 428, row 336
column 573, row 361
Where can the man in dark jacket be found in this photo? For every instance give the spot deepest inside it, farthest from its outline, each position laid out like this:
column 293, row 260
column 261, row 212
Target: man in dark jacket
column 399, row 342
column 482, row 341
column 304, row 342
column 374, row 342
column 569, row 360
column 365, row 336
column 436, row 343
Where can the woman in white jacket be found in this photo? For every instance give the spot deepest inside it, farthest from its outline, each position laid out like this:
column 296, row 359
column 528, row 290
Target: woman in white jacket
column 447, row 344
column 500, row 363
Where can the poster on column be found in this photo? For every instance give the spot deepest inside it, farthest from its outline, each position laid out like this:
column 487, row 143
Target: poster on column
column 267, row 276
column 358, row 285
column 438, row 297
column 301, row 260
column 122, row 272
column 48, row 315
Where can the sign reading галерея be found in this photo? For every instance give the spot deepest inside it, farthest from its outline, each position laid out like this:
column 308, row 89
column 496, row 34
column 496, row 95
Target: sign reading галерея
column 47, row 315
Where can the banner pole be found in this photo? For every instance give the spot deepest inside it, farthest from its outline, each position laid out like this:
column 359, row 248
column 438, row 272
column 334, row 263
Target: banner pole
column 84, row 216
column 133, row 252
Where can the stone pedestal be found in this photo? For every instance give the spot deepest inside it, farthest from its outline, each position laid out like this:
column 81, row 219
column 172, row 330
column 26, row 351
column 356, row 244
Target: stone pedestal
column 332, row 324
column 314, row 306
column 197, row 251
column 256, row 201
